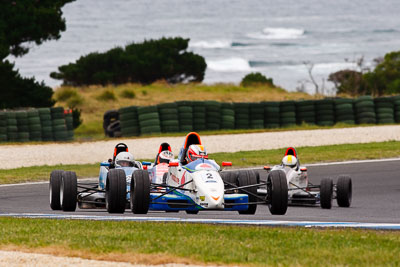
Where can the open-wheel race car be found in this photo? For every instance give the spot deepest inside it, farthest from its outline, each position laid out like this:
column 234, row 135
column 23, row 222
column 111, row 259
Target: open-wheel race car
column 66, row 192
column 192, row 183
column 302, row 192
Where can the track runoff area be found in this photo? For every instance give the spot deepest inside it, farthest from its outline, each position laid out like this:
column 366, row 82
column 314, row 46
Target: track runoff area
column 375, row 198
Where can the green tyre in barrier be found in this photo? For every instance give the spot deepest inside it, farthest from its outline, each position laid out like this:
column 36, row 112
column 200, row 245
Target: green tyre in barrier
column 148, row 116
column 150, row 129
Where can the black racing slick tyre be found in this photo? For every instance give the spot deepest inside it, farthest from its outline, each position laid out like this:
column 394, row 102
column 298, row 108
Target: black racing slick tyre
column 54, row 189
column 140, row 192
column 344, row 191
column 116, row 191
column 277, row 192
column 248, row 177
column 68, row 191
column 230, row 179
column 326, row 193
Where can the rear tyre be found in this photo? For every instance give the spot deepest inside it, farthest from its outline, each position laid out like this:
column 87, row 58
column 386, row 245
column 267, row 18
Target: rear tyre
column 248, row 178
column 344, row 191
column 140, row 192
column 326, row 193
column 116, row 191
column 68, row 191
column 54, row 189
column 277, row 192
column 230, row 179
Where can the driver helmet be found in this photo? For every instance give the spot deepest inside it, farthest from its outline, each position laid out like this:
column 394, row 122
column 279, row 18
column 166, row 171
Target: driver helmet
column 124, row 159
column 165, row 156
column 195, row 152
column 289, row 161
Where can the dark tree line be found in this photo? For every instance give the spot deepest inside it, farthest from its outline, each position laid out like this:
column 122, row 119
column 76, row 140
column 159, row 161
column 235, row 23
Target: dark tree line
column 21, row 23
column 146, row 62
column 384, row 79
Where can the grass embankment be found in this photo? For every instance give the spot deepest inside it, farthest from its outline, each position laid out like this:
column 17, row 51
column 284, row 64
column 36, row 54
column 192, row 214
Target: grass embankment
column 95, row 100
column 307, row 155
column 160, row 243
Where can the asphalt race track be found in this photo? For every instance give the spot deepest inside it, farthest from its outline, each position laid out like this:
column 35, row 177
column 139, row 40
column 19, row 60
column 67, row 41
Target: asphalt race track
column 376, row 199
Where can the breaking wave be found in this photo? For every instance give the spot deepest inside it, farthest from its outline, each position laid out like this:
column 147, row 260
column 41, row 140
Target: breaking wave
column 278, row 33
column 229, row 65
column 211, row 44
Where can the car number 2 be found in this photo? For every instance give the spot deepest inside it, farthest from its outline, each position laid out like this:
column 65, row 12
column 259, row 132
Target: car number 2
column 209, row 176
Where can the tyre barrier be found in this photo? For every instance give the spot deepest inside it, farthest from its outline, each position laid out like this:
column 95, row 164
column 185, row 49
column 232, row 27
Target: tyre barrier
column 169, row 117
column 213, row 115
column 227, row 116
column 396, row 104
column 305, row 112
column 287, row 116
column 257, row 115
column 41, row 124
column 242, row 115
column 344, row 112
column 199, row 116
column 271, row 115
column 384, row 110
column 325, row 112
column 364, row 107
column 129, row 121
column 185, row 116
column 149, row 120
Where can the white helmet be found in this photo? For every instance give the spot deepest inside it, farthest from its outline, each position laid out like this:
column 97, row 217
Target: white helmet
column 165, row 156
column 124, row 159
column 290, row 161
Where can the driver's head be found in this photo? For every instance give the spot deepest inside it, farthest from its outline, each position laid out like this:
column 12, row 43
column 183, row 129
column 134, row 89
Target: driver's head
column 196, row 152
column 165, row 156
column 124, row 159
column 289, row 161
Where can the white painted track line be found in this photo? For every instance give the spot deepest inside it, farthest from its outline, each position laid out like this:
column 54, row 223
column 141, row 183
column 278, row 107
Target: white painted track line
column 270, row 223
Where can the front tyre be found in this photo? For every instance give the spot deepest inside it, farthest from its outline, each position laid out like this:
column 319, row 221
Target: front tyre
column 248, row 177
column 277, row 192
column 116, row 191
column 326, row 193
column 54, row 189
column 68, row 191
column 344, row 191
column 140, row 192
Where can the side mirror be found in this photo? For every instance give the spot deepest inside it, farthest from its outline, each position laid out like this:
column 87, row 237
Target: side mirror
column 226, row 164
column 144, row 167
column 146, row 163
column 173, row 164
column 267, row 168
column 105, row 164
column 303, row 169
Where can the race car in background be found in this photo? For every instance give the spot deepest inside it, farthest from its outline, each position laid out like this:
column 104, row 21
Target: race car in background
column 302, row 192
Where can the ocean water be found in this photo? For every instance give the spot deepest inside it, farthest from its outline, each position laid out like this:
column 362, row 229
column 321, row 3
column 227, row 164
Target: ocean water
column 236, row 37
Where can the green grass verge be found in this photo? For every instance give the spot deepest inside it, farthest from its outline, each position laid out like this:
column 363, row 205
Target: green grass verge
column 255, row 246
column 239, row 159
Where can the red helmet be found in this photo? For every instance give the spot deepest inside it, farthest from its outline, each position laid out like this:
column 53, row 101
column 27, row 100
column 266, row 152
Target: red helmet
column 196, row 152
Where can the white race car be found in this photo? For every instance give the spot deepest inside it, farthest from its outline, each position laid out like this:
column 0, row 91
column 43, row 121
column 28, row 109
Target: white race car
column 302, row 192
column 195, row 183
